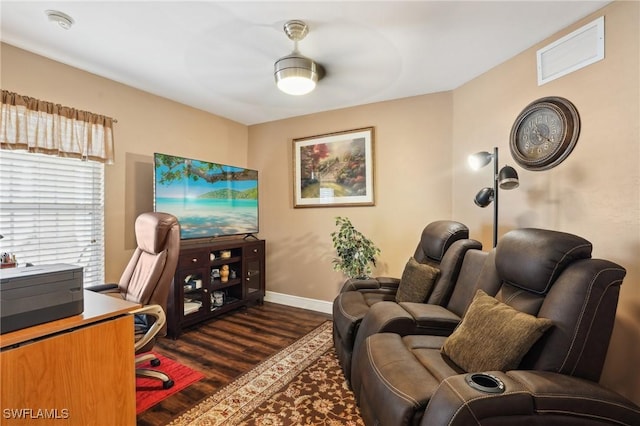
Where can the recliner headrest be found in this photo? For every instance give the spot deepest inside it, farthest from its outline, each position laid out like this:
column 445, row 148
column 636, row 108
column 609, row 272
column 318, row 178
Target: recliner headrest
column 152, row 229
column 532, row 259
column 439, row 235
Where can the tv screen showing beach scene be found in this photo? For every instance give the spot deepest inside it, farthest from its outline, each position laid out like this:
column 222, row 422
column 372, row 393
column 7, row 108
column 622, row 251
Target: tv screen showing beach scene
column 209, row 199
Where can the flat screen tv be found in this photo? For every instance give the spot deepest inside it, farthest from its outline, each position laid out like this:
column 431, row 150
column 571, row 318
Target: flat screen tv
column 209, row 199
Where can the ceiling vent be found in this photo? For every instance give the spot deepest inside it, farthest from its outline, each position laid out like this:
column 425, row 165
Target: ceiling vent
column 582, row 47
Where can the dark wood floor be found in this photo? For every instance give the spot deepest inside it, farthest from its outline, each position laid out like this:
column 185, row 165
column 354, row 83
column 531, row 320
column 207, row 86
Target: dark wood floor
column 226, row 347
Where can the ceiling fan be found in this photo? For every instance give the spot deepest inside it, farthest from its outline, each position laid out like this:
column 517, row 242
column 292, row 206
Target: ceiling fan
column 296, row 74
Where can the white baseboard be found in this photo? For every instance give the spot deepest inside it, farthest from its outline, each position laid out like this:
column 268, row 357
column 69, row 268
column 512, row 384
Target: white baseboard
column 299, row 302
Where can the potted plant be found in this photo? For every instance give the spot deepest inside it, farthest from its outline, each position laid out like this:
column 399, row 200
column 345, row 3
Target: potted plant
column 355, row 252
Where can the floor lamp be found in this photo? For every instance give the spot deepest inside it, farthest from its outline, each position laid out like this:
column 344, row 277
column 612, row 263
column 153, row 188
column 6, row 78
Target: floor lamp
column 506, row 178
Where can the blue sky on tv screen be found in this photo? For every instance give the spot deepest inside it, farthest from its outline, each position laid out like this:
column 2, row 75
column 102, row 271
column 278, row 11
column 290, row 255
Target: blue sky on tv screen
column 191, row 188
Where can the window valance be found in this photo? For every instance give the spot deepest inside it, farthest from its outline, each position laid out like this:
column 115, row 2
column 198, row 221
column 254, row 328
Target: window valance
column 45, row 127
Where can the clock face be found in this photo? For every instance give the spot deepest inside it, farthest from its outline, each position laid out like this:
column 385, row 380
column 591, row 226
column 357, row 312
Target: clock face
column 544, row 133
column 540, row 133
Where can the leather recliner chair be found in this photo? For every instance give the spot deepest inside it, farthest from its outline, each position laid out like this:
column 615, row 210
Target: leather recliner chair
column 409, row 318
column 442, row 245
column 408, row 380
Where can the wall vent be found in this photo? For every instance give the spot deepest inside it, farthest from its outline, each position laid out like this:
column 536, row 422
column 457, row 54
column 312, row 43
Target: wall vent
column 582, row 47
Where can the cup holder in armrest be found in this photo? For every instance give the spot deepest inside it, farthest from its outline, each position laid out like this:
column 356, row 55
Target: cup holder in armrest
column 485, row 382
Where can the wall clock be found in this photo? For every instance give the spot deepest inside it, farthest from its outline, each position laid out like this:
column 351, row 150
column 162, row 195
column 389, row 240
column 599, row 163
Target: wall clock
column 544, row 133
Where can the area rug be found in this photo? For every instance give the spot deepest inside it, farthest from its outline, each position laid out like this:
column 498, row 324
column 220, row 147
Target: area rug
column 300, row 385
column 149, row 391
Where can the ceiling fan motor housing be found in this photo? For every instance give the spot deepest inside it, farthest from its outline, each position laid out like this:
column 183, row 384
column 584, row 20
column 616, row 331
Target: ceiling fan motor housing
column 297, row 65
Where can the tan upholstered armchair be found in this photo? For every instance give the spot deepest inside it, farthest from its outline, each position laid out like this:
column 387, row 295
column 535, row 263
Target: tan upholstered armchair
column 146, row 280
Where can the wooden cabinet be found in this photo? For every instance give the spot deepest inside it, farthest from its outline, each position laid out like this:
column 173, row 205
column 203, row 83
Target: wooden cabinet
column 253, row 268
column 77, row 370
column 214, row 278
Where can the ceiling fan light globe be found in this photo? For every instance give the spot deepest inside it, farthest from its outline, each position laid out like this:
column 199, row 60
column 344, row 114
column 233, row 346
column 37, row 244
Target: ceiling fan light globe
column 296, row 74
column 296, row 85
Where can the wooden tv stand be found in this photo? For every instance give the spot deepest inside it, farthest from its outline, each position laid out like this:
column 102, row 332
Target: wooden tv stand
column 199, row 292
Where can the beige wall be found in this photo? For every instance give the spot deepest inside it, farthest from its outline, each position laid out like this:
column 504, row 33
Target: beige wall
column 421, row 145
column 146, row 124
column 412, row 188
column 595, row 192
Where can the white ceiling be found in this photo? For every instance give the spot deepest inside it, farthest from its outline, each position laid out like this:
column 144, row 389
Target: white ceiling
column 218, row 56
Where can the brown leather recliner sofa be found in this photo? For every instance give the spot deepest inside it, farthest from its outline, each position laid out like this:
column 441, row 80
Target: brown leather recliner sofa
column 442, row 245
column 432, row 319
column 544, row 279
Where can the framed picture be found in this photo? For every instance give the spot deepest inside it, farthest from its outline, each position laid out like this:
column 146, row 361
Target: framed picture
column 335, row 169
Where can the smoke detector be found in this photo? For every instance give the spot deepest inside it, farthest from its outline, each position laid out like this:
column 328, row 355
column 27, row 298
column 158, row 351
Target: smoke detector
column 63, row 20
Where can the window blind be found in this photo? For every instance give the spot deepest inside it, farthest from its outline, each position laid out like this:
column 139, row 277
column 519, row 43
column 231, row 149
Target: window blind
column 52, row 211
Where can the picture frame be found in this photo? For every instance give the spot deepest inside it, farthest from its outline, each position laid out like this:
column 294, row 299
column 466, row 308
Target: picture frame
column 334, row 169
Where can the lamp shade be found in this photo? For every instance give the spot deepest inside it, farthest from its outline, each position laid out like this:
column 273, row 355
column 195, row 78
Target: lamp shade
column 479, row 159
column 508, row 178
column 484, row 197
column 296, row 74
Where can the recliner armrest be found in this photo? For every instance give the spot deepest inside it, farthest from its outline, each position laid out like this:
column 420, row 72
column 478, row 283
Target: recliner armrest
column 388, row 282
column 103, row 288
column 559, row 398
column 354, row 284
column 432, row 319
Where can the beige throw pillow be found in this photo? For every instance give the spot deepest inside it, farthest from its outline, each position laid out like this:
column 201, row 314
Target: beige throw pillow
column 416, row 282
column 493, row 336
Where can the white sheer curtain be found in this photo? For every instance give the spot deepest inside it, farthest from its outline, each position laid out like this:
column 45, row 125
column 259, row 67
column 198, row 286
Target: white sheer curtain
column 44, row 127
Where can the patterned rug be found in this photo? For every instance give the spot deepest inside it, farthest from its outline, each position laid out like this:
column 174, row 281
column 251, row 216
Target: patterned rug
column 300, row 385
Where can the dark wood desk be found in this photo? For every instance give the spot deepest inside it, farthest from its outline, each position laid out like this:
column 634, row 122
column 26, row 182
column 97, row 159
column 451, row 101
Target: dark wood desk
column 74, row 371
